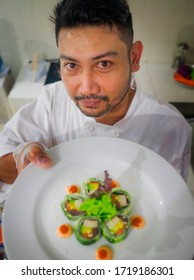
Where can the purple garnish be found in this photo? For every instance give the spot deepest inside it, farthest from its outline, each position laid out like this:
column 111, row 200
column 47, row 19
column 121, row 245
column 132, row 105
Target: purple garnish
column 107, row 182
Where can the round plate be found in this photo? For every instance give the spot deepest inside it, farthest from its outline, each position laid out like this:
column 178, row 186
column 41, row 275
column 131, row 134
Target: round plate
column 33, row 212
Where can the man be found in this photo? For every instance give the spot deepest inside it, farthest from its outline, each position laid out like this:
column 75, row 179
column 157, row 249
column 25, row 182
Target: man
column 98, row 95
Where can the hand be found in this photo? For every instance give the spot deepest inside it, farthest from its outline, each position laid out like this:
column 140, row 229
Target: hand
column 32, row 152
column 8, row 170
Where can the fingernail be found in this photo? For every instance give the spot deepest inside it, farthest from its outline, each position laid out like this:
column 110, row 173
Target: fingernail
column 45, row 161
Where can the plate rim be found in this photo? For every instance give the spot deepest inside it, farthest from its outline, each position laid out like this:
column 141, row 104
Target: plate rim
column 98, row 139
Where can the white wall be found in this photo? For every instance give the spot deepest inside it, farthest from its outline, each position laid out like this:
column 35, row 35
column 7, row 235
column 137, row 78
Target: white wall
column 160, row 24
column 25, row 29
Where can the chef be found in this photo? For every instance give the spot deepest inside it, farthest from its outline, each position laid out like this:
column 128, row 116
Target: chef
column 98, row 94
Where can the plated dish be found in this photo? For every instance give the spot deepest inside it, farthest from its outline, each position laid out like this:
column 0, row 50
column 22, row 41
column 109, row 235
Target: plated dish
column 32, row 212
column 100, row 208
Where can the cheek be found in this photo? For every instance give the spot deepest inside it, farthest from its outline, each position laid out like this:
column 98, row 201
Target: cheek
column 117, row 84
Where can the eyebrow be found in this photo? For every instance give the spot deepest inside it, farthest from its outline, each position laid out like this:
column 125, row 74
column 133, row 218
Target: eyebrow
column 113, row 53
column 103, row 55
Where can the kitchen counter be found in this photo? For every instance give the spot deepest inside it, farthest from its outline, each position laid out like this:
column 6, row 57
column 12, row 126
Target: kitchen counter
column 157, row 79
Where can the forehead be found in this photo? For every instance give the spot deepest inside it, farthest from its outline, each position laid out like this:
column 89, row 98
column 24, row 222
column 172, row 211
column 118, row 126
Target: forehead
column 90, row 38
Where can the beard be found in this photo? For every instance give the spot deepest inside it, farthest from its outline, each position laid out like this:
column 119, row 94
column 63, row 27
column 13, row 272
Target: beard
column 108, row 107
column 92, row 96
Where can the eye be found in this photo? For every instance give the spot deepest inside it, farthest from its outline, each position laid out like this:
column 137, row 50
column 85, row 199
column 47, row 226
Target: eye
column 71, row 66
column 104, row 64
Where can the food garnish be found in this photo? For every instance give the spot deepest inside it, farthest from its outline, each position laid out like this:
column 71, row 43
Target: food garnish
column 101, row 207
column 114, row 184
column 73, row 189
column 104, row 253
column 64, row 231
column 137, row 221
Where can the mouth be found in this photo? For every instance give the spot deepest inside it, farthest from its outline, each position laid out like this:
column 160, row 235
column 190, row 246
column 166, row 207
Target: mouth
column 91, row 101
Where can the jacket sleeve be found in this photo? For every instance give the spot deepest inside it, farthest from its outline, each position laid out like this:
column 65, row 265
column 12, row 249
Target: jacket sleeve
column 30, row 123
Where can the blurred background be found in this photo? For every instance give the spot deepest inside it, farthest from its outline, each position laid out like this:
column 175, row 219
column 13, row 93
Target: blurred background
column 166, row 28
column 160, row 24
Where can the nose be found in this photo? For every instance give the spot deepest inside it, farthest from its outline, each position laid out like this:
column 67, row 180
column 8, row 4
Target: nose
column 88, row 83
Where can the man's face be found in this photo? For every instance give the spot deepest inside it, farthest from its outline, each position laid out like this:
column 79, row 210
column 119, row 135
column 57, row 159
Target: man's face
column 96, row 71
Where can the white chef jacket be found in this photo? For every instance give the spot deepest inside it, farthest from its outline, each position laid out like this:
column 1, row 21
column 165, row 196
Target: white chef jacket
column 53, row 118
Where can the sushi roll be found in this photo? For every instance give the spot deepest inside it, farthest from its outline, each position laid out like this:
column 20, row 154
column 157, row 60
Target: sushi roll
column 88, row 230
column 116, row 228
column 93, row 187
column 122, row 200
column 71, row 206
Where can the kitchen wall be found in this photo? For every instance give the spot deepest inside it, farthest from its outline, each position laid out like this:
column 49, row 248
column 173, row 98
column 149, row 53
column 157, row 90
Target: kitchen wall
column 160, row 24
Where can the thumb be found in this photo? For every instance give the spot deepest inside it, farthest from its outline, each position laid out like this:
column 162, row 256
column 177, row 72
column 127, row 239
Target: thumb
column 31, row 152
column 39, row 157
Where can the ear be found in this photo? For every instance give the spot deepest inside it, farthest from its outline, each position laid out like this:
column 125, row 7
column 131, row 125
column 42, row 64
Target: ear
column 135, row 54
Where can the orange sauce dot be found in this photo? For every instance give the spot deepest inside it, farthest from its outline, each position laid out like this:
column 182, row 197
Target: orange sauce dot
column 73, row 189
column 114, row 184
column 137, row 222
column 64, row 231
column 102, row 254
column 64, row 228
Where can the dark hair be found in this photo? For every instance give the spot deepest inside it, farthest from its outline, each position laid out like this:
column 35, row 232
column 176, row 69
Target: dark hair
column 73, row 13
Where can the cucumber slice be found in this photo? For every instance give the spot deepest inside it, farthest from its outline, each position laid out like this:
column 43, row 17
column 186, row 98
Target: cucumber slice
column 71, row 206
column 88, row 230
column 116, row 229
column 93, row 187
column 122, row 200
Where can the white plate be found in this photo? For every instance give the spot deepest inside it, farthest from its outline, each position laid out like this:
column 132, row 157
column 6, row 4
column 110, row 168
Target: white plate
column 32, row 211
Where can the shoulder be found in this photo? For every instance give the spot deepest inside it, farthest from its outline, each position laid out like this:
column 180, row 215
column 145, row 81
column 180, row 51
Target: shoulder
column 151, row 104
column 162, row 113
column 54, row 92
column 55, row 88
column 56, row 99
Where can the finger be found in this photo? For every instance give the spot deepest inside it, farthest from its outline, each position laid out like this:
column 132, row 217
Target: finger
column 39, row 157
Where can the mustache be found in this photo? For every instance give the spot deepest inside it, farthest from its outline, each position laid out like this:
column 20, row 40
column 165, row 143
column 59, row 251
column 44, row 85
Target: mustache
column 91, row 96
